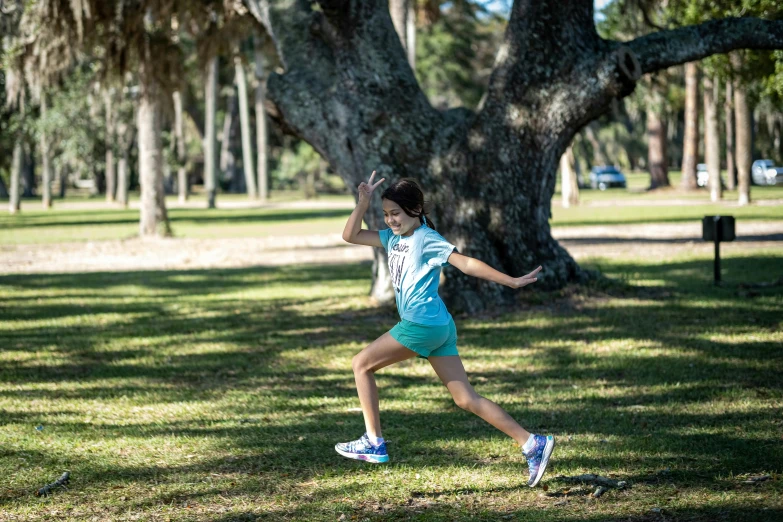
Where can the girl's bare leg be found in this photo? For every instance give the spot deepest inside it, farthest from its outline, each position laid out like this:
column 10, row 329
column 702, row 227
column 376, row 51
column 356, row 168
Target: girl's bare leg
column 452, row 374
column 382, row 352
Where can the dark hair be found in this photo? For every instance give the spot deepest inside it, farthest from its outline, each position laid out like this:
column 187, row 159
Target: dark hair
column 407, row 194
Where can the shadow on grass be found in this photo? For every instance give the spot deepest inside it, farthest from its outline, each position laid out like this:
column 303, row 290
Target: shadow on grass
column 130, row 335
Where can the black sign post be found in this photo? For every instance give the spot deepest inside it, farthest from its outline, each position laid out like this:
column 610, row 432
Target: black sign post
column 717, row 229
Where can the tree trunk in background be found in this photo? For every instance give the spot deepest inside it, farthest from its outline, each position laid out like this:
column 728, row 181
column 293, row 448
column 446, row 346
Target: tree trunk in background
column 410, row 42
column 731, row 172
column 124, row 133
column 154, row 218
column 46, row 168
column 690, row 147
column 600, row 156
column 656, row 140
column 261, row 131
column 403, row 14
column 210, row 129
column 111, row 175
column 227, row 161
column 744, row 127
column 14, row 202
column 244, row 123
column 569, row 186
column 712, row 136
column 179, row 132
column 62, row 175
column 28, row 170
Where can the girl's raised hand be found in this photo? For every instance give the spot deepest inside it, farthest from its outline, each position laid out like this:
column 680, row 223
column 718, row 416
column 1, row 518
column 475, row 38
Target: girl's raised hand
column 366, row 189
column 519, row 282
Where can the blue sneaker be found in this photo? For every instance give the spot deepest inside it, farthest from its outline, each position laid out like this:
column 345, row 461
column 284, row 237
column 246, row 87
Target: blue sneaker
column 538, row 458
column 363, row 449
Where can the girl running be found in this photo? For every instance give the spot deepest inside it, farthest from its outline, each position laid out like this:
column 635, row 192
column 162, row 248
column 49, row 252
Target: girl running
column 426, row 329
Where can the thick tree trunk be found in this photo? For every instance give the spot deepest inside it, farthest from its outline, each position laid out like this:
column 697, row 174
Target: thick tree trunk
column 153, row 217
column 111, row 175
column 731, row 172
column 183, row 188
column 744, row 127
column 14, row 201
column 210, row 130
column 712, row 136
column 261, row 128
column 244, row 120
column 656, row 141
column 46, row 168
column 690, row 148
column 349, row 91
column 568, row 184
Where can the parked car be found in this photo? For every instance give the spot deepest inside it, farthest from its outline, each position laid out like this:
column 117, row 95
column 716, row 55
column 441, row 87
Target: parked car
column 703, row 177
column 604, row 177
column 764, row 172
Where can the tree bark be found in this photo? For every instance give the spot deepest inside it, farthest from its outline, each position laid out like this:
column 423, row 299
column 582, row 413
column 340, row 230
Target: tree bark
column 62, row 175
column 111, row 175
column 349, row 91
column 261, row 128
column 690, row 148
column 46, row 169
column 410, row 30
column 210, row 129
column 14, row 202
column 568, row 185
column 28, row 170
column 731, row 173
column 244, row 124
column 183, row 189
column 656, row 141
column 712, row 136
column 403, row 14
column 227, row 160
column 154, row 218
column 744, row 127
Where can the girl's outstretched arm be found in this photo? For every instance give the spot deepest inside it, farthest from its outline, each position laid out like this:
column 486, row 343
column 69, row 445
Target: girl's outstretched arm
column 353, row 232
column 473, row 267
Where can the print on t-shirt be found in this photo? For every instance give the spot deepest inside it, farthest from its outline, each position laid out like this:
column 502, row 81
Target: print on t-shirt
column 397, row 257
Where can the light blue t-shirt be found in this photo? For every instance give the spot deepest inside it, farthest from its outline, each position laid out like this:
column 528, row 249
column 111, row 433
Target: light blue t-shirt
column 415, row 264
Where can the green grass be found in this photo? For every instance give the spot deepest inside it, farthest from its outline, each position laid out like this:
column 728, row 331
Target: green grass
column 34, row 225
column 218, row 395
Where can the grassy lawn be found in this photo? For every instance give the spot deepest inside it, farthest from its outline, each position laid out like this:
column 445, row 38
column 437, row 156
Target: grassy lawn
column 218, row 395
column 34, row 225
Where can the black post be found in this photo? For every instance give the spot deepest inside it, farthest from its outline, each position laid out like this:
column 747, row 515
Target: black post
column 716, row 231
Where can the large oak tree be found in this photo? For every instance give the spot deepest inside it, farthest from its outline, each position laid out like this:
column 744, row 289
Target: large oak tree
column 348, row 90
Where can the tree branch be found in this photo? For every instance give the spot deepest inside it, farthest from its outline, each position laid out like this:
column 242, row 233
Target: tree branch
column 663, row 49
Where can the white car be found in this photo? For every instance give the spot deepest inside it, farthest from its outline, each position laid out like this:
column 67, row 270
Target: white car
column 703, row 177
column 764, row 172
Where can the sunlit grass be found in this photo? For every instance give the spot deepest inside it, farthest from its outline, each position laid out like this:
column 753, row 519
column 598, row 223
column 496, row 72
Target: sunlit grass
column 218, row 395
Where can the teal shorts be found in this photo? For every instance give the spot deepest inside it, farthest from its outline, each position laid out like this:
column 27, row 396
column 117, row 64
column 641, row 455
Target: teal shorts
column 427, row 340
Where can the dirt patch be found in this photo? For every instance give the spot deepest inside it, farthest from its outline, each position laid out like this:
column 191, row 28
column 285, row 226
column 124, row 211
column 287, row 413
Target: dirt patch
column 660, row 240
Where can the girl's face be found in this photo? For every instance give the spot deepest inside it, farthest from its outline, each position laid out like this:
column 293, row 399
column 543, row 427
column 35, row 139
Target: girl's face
column 397, row 220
